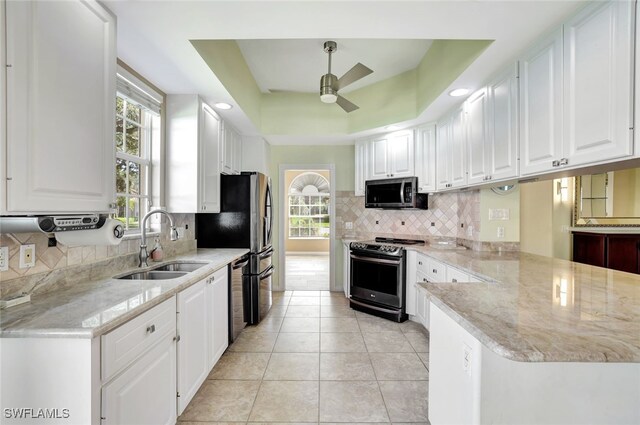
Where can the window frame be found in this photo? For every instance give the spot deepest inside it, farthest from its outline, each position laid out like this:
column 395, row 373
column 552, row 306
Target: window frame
column 320, row 197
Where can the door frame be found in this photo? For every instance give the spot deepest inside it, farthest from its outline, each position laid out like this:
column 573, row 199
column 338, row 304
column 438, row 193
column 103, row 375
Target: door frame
column 332, row 223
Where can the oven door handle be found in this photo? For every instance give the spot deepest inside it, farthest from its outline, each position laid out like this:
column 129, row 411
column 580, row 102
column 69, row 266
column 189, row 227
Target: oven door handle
column 374, row 307
column 376, row 260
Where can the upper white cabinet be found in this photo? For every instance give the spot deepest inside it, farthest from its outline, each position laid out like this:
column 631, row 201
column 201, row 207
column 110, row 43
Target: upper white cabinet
column 391, row 155
column 492, row 122
column 193, row 166
column 477, row 136
column 576, row 91
column 361, row 166
column 60, row 119
column 598, row 86
column 425, row 159
column 541, row 105
column 230, row 150
column 451, row 153
column 502, row 140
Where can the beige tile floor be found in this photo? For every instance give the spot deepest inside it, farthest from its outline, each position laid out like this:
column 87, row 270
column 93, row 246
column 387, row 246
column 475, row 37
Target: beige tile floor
column 307, row 272
column 314, row 360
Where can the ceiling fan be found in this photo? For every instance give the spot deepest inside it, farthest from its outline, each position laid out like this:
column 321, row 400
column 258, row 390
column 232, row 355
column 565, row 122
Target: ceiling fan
column 330, row 84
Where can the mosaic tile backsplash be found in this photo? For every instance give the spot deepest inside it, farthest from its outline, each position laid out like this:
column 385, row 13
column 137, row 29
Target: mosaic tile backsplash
column 450, row 216
column 63, row 266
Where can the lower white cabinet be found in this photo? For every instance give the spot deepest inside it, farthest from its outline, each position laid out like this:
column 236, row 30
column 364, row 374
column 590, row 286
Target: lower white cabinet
column 193, row 362
column 346, row 270
column 217, row 296
column 144, row 394
column 410, row 288
column 422, row 304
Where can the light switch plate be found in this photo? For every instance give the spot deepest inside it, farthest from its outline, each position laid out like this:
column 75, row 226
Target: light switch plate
column 27, row 256
column 4, row 258
column 348, row 225
column 498, row 214
column 500, row 232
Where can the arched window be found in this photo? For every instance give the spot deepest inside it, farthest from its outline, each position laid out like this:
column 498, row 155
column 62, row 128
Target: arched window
column 309, row 207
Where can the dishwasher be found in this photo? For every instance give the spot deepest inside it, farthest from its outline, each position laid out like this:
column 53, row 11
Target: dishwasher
column 236, row 299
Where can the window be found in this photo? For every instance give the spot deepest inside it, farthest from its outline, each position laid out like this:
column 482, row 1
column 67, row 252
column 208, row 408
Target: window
column 309, row 207
column 137, row 132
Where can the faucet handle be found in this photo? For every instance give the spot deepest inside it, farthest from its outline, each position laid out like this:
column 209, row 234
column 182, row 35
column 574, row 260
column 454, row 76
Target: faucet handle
column 173, row 235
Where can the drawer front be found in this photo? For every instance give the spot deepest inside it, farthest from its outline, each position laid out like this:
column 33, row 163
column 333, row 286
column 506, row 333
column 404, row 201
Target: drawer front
column 421, row 278
column 436, row 271
column 422, row 263
column 455, row 275
column 125, row 344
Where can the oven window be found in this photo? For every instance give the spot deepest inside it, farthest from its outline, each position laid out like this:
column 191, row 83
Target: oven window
column 375, row 277
column 388, row 193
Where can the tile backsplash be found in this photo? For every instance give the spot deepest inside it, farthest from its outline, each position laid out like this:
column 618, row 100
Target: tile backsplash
column 62, row 266
column 449, row 216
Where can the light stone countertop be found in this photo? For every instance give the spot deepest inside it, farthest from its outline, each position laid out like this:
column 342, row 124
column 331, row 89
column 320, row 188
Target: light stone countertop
column 540, row 309
column 94, row 308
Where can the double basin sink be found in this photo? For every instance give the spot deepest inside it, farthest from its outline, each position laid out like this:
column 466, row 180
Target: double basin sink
column 170, row 270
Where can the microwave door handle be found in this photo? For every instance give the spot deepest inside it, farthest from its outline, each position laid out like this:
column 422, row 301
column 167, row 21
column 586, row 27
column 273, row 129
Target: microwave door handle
column 402, row 192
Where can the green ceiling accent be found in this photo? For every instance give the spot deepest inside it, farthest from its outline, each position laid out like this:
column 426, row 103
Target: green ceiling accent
column 227, row 63
column 399, row 98
column 442, row 64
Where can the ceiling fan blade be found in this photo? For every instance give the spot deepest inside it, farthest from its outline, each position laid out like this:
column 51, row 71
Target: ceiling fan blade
column 346, row 105
column 354, row 74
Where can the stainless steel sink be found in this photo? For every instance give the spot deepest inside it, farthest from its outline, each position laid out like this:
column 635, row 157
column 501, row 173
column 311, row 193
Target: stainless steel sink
column 153, row 275
column 179, row 266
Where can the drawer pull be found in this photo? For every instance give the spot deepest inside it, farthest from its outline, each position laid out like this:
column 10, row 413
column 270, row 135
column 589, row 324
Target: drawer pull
column 435, row 271
column 454, row 280
column 420, row 262
column 424, row 279
column 151, row 329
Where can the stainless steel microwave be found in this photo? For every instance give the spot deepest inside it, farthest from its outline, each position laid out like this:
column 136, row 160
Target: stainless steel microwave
column 399, row 193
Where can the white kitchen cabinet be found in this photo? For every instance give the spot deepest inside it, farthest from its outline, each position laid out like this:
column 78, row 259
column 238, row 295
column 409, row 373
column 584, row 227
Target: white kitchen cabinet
column 598, row 83
column 346, row 269
column 60, row 121
column 192, row 155
column 451, row 151
column 410, row 279
column 425, row 160
column 146, row 392
column 193, row 330
column 391, row 155
column 230, row 150
column 541, row 105
column 502, row 140
column 217, row 293
column 576, row 91
column 140, row 356
column 477, row 136
column 422, row 303
column 361, row 166
column 455, row 275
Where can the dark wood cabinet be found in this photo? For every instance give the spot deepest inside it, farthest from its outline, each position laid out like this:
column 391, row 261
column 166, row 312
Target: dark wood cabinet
column 614, row 251
column 590, row 248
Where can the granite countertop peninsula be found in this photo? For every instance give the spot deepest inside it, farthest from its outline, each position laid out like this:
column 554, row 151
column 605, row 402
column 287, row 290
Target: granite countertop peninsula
column 94, row 308
column 532, row 308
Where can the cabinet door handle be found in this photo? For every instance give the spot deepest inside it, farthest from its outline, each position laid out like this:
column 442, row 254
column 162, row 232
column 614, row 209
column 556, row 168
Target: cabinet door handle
column 151, row 329
column 454, row 280
column 420, row 262
column 555, row 163
column 435, row 271
column 424, row 279
column 564, row 161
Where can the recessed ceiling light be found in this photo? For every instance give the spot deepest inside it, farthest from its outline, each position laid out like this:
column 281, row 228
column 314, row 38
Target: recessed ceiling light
column 222, row 105
column 458, row 92
column 392, row 127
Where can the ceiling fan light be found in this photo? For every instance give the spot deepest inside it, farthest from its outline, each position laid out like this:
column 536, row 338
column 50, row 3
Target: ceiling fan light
column 458, row 92
column 328, row 98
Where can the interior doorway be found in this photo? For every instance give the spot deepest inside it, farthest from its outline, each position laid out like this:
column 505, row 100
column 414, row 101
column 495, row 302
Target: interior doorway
column 307, row 205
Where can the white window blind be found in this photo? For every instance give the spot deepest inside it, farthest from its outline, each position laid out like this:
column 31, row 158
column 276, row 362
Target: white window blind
column 137, row 91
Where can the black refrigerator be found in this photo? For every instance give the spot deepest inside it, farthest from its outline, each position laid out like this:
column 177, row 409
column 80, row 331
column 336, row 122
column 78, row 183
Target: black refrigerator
column 245, row 220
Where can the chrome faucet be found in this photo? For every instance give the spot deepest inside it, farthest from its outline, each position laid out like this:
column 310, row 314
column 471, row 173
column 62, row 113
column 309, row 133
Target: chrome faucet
column 173, row 235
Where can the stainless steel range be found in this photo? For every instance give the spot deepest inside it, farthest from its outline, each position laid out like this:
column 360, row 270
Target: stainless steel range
column 378, row 277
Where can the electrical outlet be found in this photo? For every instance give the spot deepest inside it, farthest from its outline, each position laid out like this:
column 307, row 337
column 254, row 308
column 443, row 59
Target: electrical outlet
column 27, row 256
column 500, row 232
column 470, row 231
column 466, row 358
column 348, row 225
column 4, row 258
